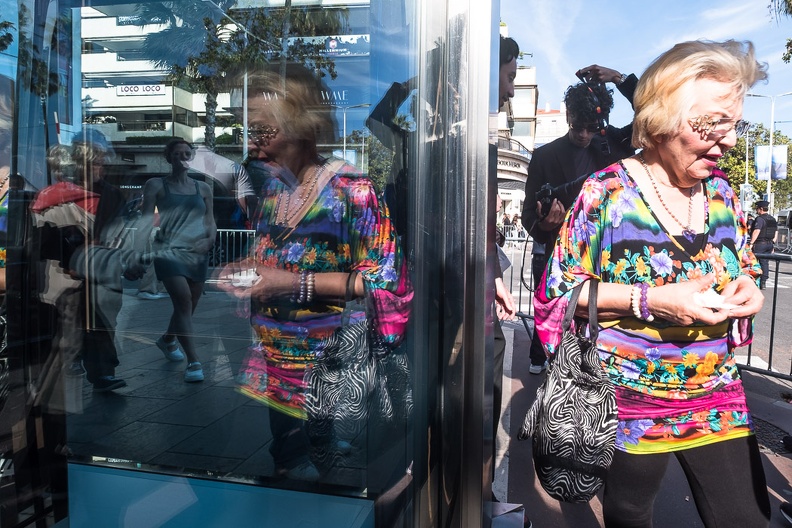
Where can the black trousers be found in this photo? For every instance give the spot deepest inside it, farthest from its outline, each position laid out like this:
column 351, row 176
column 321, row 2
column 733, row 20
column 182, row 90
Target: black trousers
column 99, row 354
column 764, row 247
column 726, row 479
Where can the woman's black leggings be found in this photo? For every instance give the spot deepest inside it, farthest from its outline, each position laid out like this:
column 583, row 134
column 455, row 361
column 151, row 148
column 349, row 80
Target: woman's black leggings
column 726, row 478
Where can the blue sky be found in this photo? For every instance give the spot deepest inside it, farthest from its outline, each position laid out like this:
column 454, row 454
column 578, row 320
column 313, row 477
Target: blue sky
column 628, row 35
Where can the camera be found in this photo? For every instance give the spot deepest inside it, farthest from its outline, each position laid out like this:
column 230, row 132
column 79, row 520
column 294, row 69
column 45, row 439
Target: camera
column 565, row 193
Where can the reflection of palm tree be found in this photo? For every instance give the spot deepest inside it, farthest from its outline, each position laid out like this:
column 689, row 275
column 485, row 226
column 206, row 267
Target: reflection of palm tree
column 404, row 122
column 187, row 28
column 204, row 49
column 6, row 36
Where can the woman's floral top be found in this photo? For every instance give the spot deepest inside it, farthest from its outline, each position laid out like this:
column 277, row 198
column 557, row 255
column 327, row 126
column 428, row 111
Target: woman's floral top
column 676, row 387
column 347, row 229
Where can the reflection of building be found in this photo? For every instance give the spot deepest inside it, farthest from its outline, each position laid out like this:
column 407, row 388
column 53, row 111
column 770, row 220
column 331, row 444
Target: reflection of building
column 517, row 130
column 550, row 124
column 127, row 95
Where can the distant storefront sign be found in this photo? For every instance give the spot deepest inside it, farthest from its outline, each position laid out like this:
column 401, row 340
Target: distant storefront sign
column 341, row 46
column 140, row 89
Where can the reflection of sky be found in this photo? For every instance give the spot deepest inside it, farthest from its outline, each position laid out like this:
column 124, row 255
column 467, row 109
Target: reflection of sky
column 8, row 57
column 565, row 36
column 366, row 79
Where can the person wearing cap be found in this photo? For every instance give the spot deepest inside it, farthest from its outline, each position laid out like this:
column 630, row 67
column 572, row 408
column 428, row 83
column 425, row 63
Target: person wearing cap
column 81, row 216
column 763, row 235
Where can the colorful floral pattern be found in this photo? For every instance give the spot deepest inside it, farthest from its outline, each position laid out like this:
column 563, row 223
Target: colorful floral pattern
column 346, row 229
column 3, row 227
column 676, row 387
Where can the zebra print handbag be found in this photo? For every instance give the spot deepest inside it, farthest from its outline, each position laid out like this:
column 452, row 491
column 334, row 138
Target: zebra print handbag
column 573, row 420
column 356, row 379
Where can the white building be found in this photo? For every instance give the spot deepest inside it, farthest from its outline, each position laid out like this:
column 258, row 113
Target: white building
column 551, row 124
column 517, row 129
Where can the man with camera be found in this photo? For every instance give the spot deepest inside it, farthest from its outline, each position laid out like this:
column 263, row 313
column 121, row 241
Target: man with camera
column 558, row 169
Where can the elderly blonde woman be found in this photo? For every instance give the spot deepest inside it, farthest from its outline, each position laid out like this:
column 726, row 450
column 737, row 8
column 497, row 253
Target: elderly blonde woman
column 664, row 234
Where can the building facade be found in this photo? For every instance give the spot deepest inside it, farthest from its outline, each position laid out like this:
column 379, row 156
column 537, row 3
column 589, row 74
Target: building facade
column 517, row 132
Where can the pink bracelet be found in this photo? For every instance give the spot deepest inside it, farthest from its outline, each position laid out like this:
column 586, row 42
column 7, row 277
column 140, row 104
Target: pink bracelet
column 644, row 305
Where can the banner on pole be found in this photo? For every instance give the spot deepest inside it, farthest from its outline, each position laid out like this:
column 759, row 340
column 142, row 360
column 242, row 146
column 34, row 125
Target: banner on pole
column 764, row 169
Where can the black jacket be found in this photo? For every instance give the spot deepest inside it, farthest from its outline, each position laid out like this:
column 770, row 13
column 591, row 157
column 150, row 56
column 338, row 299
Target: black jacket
column 554, row 163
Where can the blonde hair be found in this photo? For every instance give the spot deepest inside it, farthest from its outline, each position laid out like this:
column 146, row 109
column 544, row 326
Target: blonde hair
column 665, row 92
column 296, row 104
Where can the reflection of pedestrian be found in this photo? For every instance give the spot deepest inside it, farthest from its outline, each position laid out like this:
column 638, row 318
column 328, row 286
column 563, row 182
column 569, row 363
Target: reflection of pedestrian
column 151, row 288
column 181, row 260
column 6, row 118
column 78, row 217
column 763, row 235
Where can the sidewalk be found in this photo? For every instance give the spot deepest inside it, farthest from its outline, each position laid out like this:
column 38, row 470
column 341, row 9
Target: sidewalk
column 515, row 480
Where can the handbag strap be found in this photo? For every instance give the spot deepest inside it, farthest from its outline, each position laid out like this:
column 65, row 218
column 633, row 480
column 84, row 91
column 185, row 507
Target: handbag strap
column 592, row 309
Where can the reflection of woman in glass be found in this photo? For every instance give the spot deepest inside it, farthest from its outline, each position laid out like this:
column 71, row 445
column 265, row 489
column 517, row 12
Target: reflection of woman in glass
column 323, row 237
column 187, row 233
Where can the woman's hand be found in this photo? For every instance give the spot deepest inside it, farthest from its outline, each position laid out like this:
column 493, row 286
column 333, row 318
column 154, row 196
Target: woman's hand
column 273, row 283
column 674, row 303
column 504, row 302
column 743, row 293
column 247, row 278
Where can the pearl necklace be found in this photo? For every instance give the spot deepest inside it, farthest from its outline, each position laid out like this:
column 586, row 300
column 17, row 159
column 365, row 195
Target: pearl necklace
column 688, row 232
column 285, row 214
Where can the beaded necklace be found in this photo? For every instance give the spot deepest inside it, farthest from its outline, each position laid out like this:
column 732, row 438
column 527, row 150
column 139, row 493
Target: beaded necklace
column 687, row 231
column 285, row 213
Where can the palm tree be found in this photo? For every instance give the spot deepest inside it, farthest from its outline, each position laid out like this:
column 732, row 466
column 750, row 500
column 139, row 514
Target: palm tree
column 204, row 49
column 779, row 8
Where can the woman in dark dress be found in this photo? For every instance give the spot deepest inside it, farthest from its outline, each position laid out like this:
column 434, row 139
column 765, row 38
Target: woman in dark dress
column 187, row 233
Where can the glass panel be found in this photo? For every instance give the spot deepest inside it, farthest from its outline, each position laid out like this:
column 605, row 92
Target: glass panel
column 213, row 283
column 257, row 367
column 238, row 242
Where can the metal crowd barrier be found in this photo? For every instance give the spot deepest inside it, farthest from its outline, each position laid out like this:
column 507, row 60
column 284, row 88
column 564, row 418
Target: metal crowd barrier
column 518, row 278
column 231, row 245
column 767, row 354
column 764, row 359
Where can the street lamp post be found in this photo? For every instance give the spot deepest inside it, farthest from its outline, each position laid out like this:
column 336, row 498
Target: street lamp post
column 344, row 109
column 772, row 131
